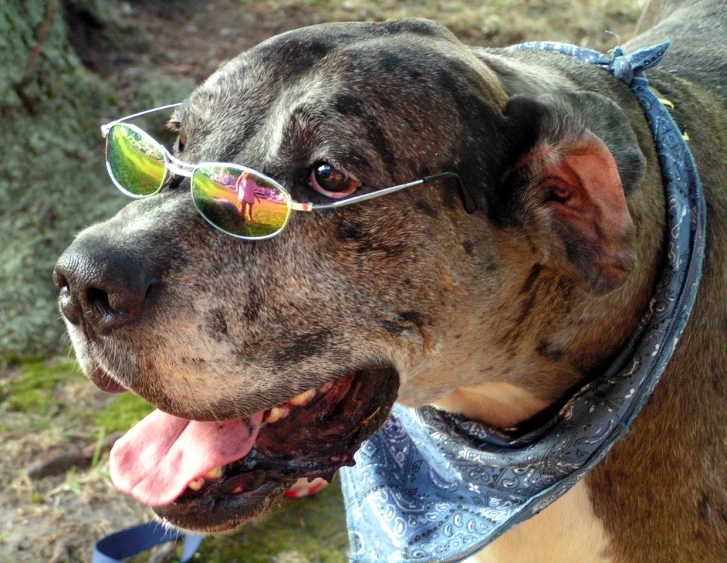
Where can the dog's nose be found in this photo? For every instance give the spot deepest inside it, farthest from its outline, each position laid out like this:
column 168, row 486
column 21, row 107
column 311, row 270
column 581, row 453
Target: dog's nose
column 100, row 284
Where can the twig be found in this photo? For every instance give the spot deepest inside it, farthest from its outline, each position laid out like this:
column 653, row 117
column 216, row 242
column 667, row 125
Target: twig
column 41, row 36
column 31, row 104
column 60, row 553
column 77, row 457
column 165, row 553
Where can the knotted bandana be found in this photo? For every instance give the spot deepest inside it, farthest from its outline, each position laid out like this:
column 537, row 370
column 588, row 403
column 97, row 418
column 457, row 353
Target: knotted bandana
column 432, row 486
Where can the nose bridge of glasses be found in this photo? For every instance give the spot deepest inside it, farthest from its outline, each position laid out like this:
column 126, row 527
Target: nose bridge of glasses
column 179, row 167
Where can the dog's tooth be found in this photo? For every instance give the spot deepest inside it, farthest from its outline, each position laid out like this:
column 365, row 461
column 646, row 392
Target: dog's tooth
column 196, row 484
column 326, row 387
column 215, row 473
column 275, row 414
column 303, row 398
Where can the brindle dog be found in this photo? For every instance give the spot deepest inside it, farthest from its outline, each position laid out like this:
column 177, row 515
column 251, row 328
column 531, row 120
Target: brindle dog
column 495, row 313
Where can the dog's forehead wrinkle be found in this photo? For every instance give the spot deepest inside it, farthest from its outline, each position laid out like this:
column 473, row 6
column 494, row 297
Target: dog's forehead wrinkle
column 216, row 114
column 255, row 138
column 312, row 90
column 292, row 100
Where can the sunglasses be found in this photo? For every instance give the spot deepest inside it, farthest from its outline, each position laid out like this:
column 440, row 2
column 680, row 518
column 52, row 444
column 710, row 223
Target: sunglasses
column 235, row 199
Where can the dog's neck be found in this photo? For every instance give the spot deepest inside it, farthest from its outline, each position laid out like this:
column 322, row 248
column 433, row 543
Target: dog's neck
column 502, row 405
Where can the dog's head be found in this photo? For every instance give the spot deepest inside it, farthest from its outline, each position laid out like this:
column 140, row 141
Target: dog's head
column 300, row 343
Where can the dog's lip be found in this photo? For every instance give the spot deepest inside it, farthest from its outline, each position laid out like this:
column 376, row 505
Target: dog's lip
column 258, row 481
column 105, row 382
column 222, row 512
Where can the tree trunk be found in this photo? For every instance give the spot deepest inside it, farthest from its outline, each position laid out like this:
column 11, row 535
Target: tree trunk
column 52, row 178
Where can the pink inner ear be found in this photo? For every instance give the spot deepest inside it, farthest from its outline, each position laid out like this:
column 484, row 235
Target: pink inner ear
column 589, row 206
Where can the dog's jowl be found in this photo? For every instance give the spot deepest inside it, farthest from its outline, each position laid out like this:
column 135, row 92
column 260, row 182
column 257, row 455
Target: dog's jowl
column 550, row 252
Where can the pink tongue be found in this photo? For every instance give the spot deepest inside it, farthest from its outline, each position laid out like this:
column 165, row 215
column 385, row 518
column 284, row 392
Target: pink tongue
column 155, row 460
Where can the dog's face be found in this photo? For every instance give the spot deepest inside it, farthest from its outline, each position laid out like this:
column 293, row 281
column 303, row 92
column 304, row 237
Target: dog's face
column 405, row 291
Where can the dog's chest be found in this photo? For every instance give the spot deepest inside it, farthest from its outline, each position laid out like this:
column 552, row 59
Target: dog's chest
column 565, row 532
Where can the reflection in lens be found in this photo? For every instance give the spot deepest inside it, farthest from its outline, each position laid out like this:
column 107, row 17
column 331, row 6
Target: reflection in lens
column 239, row 202
column 134, row 160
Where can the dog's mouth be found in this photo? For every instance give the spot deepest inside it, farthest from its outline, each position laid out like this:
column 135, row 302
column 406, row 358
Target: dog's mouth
column 213, row 476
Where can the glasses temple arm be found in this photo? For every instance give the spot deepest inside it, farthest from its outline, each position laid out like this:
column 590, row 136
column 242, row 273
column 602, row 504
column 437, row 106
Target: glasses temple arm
column 469, row 203
column 365, row 197
column 105, row 128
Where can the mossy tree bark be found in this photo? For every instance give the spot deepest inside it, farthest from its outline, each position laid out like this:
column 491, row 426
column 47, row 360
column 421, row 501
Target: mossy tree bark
column 52, row 179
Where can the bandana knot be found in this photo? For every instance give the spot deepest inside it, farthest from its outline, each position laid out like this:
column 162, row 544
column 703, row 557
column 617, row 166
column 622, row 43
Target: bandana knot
column 628, row 67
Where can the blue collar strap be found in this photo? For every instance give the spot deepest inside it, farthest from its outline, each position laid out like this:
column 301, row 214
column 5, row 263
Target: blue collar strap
column 431, row 486
column 132, row 541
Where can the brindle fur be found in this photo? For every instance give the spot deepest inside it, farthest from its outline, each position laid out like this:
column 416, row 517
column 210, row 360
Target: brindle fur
column 411, row 280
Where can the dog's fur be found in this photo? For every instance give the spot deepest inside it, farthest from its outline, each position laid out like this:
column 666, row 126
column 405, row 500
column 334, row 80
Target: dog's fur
column 495, row 314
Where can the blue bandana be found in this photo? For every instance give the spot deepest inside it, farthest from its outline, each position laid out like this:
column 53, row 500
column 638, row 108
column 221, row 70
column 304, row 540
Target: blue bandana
column 432, row 486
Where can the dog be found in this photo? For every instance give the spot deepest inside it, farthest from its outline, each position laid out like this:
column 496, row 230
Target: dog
column 299, row 343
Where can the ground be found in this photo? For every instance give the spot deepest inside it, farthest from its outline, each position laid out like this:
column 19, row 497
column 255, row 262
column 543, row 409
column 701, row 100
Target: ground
column 52, row 420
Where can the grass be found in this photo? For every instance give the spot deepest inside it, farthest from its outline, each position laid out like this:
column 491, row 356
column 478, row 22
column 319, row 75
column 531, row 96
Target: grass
column 307, row 530
column 313, row 528
column 35, row 387
column 32, row 389
column 124, row 410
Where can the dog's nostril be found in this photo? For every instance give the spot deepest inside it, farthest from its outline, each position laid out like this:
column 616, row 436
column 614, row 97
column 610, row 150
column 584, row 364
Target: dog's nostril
column 59, row 279
column 68, row 304
column 98, row 301
column 70, row 308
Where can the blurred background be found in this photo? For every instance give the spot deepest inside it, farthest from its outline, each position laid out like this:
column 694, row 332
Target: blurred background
column 67, row 66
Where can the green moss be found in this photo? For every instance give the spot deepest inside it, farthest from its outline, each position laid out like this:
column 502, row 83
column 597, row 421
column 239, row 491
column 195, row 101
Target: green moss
column 313, row 529
column 17, row 359
column 32, row 390
column 125, row 409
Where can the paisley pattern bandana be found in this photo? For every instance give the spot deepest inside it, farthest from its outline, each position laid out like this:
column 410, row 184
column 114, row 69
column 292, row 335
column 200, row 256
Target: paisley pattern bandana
column 432, row 486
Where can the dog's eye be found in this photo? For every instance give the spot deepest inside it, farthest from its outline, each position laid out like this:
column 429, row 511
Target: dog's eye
column 331, row 182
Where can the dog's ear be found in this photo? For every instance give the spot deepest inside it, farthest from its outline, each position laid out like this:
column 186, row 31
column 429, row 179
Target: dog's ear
column 575, row 158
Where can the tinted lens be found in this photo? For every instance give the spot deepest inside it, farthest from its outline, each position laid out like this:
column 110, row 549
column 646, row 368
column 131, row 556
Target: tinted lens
column 135, row 161
column 239, row 202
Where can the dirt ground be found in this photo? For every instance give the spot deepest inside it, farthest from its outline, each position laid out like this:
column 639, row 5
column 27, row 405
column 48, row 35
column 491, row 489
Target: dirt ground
column 48, row 409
